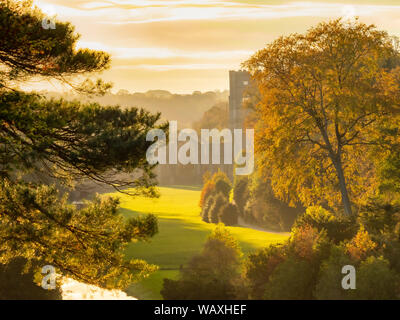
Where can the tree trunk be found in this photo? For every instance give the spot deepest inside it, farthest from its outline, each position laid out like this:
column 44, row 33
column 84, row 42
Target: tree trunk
column 336, row 158
column 343, row 188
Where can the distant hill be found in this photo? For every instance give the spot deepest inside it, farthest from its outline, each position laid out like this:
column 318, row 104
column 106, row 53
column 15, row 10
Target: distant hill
column 185, row 108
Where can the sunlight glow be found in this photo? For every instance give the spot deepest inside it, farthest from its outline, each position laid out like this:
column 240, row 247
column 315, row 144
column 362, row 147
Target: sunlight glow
column 160, row 36
column 74, row 290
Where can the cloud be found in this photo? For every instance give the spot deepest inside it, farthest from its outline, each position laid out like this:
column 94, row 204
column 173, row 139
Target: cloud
column 189, row 37
column 134, row 52
column 145, row 11
column 169, row 67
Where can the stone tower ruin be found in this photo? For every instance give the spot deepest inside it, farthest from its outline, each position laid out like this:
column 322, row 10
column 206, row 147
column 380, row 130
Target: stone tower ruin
column 238, row 82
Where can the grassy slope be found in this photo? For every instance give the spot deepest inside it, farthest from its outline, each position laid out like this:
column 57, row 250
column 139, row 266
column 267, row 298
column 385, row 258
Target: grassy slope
column 181, row 235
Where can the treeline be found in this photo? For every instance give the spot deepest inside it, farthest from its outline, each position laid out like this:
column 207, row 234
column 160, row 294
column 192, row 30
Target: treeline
column 184, row 108
column 214, row 201
column 249, row 198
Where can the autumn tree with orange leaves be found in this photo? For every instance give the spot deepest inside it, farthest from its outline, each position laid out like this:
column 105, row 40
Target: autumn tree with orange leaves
column 324, row 97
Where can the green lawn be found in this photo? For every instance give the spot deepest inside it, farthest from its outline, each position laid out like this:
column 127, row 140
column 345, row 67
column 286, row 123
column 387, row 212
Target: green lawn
column 181, row 235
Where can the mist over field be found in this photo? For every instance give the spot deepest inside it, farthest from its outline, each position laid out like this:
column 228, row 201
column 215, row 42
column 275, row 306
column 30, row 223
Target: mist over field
column 184, row 108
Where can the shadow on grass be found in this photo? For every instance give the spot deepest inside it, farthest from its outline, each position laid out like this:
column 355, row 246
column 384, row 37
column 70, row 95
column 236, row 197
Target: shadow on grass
column 149, row 288
column 175, row 244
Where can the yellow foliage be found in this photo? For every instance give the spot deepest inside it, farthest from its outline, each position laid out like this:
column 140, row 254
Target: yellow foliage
column 323, row 96
column 361, row 245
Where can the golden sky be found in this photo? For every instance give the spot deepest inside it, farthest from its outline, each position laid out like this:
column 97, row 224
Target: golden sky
column 188, row 45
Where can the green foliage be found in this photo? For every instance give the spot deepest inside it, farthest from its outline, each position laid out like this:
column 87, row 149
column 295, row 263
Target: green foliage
column 361, row 246
column 376, row 280
column 207, row 191
column 31, row 51
column 289, row 270
column 388, row 166
column 229, row 214
column 338, row 227
column 329, row 286
column 379, row 215
column 241, row 192
column 293, row 279
column 213, row 274
column 218, row 184
column 68, row 141
column 205, row 211
column 390, row 172
column 85, row 244
column 222, row 234
column 175, row 290
column 259, row 266
column 263, row 208
column 222, row 184
column 309, row 265
column 182, row 235
column 219, row 202
column 381, row 219
column 18, row 283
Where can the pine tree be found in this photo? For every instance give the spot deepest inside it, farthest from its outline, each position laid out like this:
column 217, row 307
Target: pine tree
column 67, row 141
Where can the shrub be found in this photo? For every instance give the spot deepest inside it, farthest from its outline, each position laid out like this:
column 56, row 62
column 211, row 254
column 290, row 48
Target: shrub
column 240, row 192
column 329, row 285
column 175, row 290
column 293, row 279
column 219, row 183
column 361, row 246
column 206, row 208
column 207, row 191
column 229, row 214
column 213, row 274
column 218, row 203
column 338, row 228
column 376, row 281
column 266, row 209
column 308, row 243
column 381, row 219
column 259, row 266
column 223, row 186
column 293, row 272
column 379, row 215
column 309, row 265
